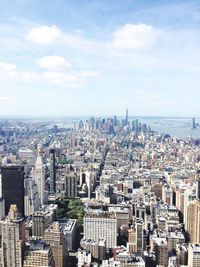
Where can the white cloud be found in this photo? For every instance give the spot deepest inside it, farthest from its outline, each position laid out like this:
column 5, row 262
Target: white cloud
column 7, row 67
column 86, row 73
column 44, row 35
column 54, row 63
column 134, row 37
column 62, row 78
column 30, row 76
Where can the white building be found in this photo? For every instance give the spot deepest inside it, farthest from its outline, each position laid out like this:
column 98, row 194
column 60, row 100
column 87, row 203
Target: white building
column 98, row 225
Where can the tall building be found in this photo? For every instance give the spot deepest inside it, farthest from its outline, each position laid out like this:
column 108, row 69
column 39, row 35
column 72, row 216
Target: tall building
column 193, row 123
column 52, row 171
column 39, row 176
column 126, row 116
column 71, row 185
column 101, row 225
column 37, row 254
column 13, row 187
column 38, row 224
column 135, row 237
column 161, row 252
column 12, row 239
column 31, row 197
column 194, row 255
column 193, row 221
column 198, row 188
column 54, row 237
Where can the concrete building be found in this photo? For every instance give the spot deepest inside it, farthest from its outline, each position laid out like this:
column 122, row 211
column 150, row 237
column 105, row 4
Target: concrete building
column 13, row 187
column 193, row 221
column 39, row 175
column 71, row 185
column 31, row 197
column 101, row 225
column 97, row 249
column 54, row 237
column 194, row 255
column 43, row 218
column 84, row 258
column 12, row 239
column 38, row 254
column 2, row 208
column 69, row 230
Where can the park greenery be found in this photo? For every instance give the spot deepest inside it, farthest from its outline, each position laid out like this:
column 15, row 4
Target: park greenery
column 70, row 209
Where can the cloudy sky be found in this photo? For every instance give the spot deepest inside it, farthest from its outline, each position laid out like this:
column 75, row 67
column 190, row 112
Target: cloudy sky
column 97, row 57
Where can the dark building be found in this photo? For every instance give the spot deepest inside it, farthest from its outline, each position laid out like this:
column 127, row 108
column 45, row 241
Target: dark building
column 13, row 187
column 193, row 123
column 52, row 171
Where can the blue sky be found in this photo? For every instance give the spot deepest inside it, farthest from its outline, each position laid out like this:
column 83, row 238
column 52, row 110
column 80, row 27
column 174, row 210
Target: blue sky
column 84, row 57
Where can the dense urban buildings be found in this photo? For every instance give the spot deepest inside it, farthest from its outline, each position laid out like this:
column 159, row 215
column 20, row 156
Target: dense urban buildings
column 101, row 192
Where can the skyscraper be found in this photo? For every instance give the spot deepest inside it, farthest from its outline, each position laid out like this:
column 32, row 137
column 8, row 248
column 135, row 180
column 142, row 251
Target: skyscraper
column 12, row 239
column 52, row 171
column 71, row 185
column 54, row 237
column 39, row 176
column 193, row 123
column 126, row 116
column 13, row 187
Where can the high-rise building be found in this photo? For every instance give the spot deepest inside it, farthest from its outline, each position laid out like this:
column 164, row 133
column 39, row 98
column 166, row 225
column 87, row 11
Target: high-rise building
column 38, row 224
column 193, row 221
column 198, row 188
column 37, row 254
column 12, row 239
column 54, row 237
column 31, row 197
column 71, row 185
column 39, row 176
column 194, row 255
column 101, row 225
column 135, row 237
column 161, row 252
column 13, row 187
column 126, row 116
column 193, row 123
column 52, row 171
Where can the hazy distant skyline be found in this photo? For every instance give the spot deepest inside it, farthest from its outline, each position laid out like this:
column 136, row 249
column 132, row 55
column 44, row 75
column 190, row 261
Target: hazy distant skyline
column 99, row 57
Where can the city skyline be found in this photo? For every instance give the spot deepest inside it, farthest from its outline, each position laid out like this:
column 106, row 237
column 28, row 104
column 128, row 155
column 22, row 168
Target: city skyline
column 99, row 57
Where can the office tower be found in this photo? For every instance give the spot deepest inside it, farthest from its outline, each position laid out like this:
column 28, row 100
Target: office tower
column 2, row 208
column 54, row 237
column 13, row 187
column 52, row 171
column 167, row 194
column 135, row 237
column 193, row 123
column 189, row 196
column 132, row 240
column 126, row 116
column 37, row 254
column 31, row 197
column 198, row 188
column 69, row 229
column 38, row 224
column 194, row 255
column 12, row 239
column 39, row 176
column 139, row 235
column 161, row 252
column 101, row 225
column 71, row 185
column 193, row 221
